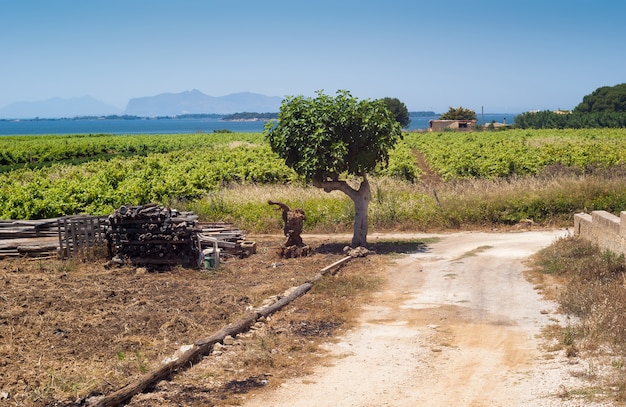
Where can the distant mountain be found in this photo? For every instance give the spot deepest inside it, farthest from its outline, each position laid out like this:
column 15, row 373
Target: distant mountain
column 194, row 101
column 57, row 108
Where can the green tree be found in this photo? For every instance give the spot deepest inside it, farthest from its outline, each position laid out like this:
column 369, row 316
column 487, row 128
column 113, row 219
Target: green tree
column 459, row 113
column 327, row 137
column 606, row 99
column 399, row 110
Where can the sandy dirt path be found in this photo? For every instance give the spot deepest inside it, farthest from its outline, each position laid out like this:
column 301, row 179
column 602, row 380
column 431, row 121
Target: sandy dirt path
column 457, row 325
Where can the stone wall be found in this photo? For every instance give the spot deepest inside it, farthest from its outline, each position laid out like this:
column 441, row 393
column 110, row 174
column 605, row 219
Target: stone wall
column 602, row 228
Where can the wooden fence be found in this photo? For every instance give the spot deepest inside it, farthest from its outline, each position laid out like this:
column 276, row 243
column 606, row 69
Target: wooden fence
column 82, row 236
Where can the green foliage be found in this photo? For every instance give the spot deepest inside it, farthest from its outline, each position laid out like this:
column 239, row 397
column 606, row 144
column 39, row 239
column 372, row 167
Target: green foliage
column 99, row 187
column 201, row 179
column 459, row 113
column 37, row 151
column 251, row 116
column 323, row 137
column 399, row 110
column 577, row 120
column 247, row 207
column 402, row 164
column 606, row 99
column 518, row 152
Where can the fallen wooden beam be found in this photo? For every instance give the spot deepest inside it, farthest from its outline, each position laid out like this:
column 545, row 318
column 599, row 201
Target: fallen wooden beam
column 190, row 354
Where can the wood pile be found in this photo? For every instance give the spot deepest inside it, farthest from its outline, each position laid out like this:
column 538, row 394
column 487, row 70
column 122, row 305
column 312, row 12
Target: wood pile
column 230, row 240
column 28, row 247
column 152, row 235
column 21, row 229
column 141, row 235
column 28, row 238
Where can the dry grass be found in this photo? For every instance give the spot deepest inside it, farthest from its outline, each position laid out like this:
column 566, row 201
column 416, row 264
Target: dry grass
column 548, row 200
column 593, row 293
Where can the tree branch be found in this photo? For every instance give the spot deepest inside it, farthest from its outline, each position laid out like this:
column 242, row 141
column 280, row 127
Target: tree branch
column 336, row 185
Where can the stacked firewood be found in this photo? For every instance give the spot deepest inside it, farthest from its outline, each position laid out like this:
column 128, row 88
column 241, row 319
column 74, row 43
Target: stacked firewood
column 152, row 235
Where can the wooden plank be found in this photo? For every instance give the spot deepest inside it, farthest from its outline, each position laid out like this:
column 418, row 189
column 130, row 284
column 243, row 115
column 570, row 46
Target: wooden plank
column 74, row 249
column 62, row 251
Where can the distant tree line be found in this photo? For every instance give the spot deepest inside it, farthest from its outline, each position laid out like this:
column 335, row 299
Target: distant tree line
column 423, row 114
column 458, row 113
column 604, row 107
column 250, row 116
column 198, row 116
column 575, row 120
column 606, row 99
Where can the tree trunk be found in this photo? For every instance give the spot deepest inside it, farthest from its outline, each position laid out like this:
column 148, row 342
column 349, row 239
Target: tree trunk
column 361, row 203
column 361, row 199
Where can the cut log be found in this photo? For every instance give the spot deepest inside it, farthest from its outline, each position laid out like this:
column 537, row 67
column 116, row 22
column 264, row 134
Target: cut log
column 286, row 300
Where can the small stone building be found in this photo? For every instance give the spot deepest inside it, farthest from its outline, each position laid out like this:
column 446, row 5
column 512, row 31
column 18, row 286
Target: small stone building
column 455, row 125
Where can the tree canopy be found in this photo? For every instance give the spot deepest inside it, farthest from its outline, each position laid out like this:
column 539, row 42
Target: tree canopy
column 326, row 137
column 399, row 110
column 606, row 99
column 459, row 113
column 323, row 137
column 560, row 120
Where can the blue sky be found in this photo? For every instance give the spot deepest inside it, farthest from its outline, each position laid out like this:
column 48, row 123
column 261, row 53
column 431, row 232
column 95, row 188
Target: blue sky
column 507, row 57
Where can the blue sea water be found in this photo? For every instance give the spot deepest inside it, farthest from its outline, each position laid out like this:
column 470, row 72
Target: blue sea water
column 174, row 126
column 124, row 126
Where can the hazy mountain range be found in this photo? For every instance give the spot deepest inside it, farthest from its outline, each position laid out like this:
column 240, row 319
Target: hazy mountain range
column 164, row 104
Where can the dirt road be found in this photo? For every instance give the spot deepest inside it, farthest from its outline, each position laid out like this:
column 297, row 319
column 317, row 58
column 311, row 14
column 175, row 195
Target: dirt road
column 457, row 325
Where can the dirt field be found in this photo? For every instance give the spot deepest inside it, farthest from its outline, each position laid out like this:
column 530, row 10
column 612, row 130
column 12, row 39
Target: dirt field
column 456, row 323
column 71, row 329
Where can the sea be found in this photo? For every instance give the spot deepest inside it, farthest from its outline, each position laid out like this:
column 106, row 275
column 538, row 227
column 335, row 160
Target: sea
column 175, row 125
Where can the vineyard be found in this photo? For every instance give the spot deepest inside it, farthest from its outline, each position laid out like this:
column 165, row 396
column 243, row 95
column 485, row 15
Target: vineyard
column 50, row 176
column 100, row 186
column 519, row 152
column 37, row 151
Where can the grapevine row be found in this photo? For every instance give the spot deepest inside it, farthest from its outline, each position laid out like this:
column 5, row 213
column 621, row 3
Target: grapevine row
column 518, row 152
column 37, row 151
column 99, row 187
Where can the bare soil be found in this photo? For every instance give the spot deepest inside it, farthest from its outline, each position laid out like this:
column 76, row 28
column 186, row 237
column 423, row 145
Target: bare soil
column 454, row 323
column 70, row 329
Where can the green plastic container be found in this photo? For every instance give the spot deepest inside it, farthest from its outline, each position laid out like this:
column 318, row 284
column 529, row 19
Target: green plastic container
column 209, row 262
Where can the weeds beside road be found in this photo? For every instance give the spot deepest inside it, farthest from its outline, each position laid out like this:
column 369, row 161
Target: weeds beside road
column 592, row 290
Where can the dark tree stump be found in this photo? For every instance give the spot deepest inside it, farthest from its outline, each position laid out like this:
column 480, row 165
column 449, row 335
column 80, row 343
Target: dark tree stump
column 288, row 252
column 293, row 219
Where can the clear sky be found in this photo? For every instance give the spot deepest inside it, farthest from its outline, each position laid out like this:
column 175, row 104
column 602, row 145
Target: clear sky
column 505, row 56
